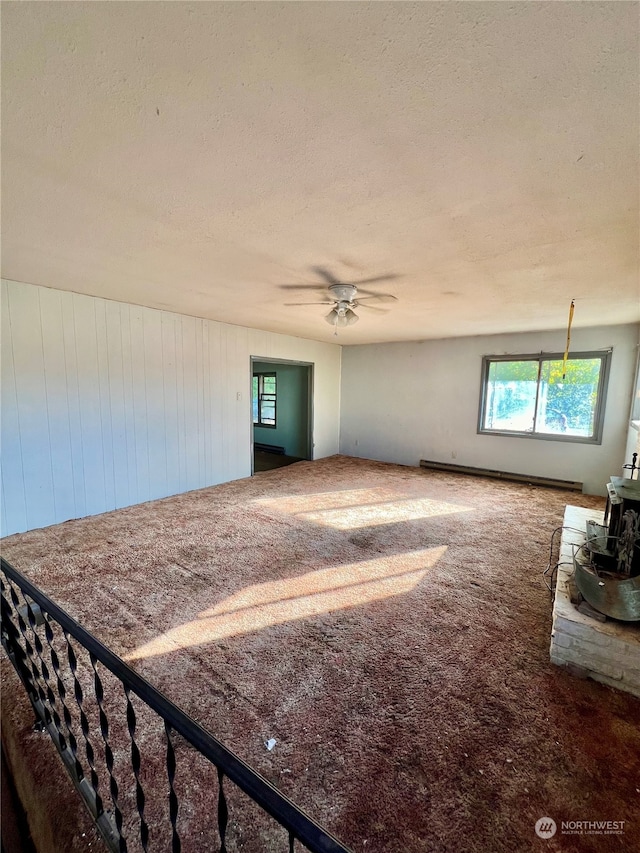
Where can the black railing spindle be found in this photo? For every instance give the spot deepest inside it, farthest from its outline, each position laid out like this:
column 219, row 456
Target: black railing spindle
column 108, row 753
column 62, row 693
column 38, row 677
column 173, row 798
column 223, row 812
column 84, row 725
column 135, row 763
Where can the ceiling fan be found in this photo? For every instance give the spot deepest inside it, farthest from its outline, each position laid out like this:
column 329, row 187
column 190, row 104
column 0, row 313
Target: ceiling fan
column 344, row 298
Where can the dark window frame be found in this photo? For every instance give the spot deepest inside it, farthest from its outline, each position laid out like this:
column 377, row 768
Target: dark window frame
column 540, row 358
column 266, row 396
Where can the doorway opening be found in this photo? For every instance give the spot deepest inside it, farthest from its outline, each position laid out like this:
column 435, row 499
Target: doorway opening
column 281, row 412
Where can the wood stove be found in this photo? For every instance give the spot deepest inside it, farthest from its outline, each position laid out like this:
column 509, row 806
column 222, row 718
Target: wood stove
column 609, row 579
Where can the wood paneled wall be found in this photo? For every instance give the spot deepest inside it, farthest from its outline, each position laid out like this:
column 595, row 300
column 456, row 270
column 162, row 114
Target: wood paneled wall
column 106, row 404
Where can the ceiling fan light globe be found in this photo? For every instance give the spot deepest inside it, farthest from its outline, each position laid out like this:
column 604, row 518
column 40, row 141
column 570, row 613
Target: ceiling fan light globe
column 351, row 317
column 341, row 316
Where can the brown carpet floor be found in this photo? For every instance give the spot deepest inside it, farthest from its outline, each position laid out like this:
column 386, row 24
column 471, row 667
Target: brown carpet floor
column 387, row 625
column 265, row 461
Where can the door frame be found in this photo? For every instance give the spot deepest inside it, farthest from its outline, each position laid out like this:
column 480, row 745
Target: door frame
column 310, row 380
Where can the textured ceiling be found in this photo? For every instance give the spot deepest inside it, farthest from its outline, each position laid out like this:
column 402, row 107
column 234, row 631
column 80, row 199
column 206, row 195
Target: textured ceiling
column 199, row 157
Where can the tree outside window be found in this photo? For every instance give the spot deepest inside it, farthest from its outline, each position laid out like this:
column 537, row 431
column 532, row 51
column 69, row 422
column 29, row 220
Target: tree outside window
column 538, row 396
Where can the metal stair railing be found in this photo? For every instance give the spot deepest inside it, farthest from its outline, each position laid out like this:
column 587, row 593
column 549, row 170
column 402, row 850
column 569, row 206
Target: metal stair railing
column 49, row 651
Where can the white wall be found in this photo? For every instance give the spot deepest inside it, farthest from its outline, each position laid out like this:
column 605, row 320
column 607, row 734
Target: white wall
column 411, row 401
column 106, row 404
column 633, row 436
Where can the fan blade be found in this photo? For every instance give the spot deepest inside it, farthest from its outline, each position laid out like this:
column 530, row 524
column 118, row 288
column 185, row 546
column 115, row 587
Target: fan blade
column 380, row 297
column 289, row 304
column 317, row 287
column 373, row 308
column 326, row 275
column 388, row 277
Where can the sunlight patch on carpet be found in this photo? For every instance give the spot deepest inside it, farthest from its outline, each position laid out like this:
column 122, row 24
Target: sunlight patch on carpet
column 382, row 513
column 354, row 508
column 295, row 504
column 272, row 603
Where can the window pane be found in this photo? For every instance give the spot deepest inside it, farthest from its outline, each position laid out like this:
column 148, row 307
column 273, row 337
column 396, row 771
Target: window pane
column 264, row 399
column 511, row 396
column 267, row 410
column 568, row 406
column 254, row 399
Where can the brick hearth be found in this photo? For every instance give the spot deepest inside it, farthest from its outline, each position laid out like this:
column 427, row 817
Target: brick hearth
column 608, row 651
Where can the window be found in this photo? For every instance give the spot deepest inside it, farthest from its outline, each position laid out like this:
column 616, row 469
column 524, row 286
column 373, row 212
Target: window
column 528, row 396
column 264, row 399
column 635, row 403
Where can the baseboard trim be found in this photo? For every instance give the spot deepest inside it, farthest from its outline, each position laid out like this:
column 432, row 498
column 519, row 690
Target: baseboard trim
column 269, row 448
column 502, row 475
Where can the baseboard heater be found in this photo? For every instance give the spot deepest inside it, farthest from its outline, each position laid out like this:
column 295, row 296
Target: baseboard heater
column 269, row 448
column 502, row 475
